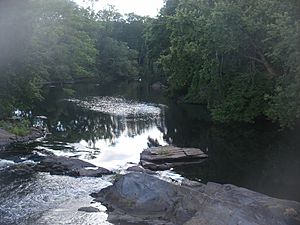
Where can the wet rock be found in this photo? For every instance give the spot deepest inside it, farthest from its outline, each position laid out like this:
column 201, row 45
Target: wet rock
column 140, row 170
column 5, row 139
column 98, row 172
column 145, row 197
column 20, row 171
column 192, row 184
column 60, row 165
column 89, row 209
column 141, row 197
column 166, row 157
column 155, row 166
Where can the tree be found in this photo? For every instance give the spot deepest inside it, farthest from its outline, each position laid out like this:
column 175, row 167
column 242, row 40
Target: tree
column 238, row 57
column 55, row 41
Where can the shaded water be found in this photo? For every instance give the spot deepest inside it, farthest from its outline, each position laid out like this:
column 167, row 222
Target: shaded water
column 109, row 127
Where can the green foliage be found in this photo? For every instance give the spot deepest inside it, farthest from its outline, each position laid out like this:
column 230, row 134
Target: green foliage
column 19, row 128
column 285, row 104
column 55, row 41
column 244, row 101
column 128, row 30
column 157, row 36
column 241, row 58
column 115, row 60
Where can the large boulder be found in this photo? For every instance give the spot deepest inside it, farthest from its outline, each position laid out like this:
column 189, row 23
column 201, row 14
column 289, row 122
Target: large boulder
column 141, row 198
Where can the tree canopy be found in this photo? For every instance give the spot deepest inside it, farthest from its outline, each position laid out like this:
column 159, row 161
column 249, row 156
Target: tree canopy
column 241, row 58
column 55, row 41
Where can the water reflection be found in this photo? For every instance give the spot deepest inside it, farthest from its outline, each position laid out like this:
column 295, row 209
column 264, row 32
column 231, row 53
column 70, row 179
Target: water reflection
column 106, row 136
column 256, row 156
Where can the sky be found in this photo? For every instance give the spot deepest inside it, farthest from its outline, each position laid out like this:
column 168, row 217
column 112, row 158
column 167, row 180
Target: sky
column 140, row 7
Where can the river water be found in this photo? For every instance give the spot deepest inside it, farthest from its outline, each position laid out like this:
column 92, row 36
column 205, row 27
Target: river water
column 110, row 125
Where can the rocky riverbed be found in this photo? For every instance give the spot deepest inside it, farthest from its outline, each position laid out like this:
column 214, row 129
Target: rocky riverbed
column 139, row 198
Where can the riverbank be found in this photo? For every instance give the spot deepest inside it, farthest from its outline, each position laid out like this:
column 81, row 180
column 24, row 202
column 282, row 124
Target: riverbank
column 7, row 138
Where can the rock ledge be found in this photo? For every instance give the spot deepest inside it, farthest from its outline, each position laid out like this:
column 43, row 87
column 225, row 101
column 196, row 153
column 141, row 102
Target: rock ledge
column 144, row 199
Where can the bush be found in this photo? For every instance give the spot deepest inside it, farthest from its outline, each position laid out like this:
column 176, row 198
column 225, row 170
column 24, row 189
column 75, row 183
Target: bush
column 19, row 128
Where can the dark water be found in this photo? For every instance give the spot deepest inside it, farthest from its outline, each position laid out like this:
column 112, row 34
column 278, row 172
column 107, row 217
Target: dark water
column 109, row 126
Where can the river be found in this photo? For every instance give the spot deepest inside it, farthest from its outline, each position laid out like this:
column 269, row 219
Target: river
column 110, row 125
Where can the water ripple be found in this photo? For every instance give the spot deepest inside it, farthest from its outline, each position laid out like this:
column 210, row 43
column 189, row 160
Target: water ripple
column 118, row 106
column 51, row 200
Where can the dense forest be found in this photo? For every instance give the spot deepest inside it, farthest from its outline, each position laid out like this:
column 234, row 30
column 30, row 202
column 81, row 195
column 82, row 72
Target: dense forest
column 240, row 58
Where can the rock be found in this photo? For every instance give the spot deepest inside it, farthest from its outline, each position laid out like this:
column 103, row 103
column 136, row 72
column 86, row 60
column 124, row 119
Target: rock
column 7, row 138
column 135, row 169
column 85, row 172
column 141, row 197
column 154, row 166
column 193, row 184
column 60, row 165
column 166, row 157
column 89, row 209
column 145, row 197
column 140, row 170
column 19, row 171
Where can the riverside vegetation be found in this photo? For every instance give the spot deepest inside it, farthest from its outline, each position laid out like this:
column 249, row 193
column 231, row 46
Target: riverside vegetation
column 19, row 128
column 240, row 58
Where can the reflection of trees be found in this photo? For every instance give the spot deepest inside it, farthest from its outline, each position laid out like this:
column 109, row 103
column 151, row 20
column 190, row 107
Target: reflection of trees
column 79, row 124
column 258, row 157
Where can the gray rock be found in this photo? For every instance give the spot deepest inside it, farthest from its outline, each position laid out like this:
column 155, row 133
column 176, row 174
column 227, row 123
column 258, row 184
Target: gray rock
column 191, row 183
column 141, row 197
column 155, row 166
column 7, row 138
column 140, row 170
column 89, row 209
column 166, row 157
column 60, row 165
column 84, row 172
column 20, row 171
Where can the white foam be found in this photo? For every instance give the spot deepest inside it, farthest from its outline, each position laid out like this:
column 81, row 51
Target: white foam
column 5, row 163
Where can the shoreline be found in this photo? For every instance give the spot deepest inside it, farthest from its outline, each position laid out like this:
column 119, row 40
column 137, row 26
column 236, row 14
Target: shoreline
column 7, row 138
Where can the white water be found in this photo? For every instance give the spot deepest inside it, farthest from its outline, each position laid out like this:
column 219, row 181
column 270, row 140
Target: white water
column 43, row 199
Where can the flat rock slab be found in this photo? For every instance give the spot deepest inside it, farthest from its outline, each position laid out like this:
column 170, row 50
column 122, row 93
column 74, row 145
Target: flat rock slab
column 166, row 157
column 139, row 197
column 60, row 165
